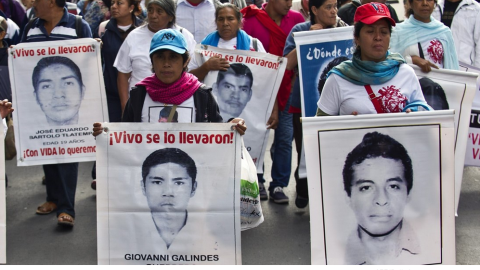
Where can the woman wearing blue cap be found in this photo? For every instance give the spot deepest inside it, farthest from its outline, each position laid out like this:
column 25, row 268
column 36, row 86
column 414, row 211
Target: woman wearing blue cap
column 171, row 85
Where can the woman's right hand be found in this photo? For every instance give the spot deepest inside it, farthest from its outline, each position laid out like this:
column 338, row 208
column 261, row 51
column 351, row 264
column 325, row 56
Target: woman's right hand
column 425, row 65
column 316, row 26
column 97, row 129
column 217, row 63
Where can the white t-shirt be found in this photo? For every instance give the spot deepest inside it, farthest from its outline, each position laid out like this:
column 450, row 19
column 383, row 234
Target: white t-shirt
column 134, row 57
column 432, row 51
column 185, row 112
column 228, row 44
column 341, row 97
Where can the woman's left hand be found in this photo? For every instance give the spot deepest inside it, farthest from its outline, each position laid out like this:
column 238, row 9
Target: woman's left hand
column 5, row 108
column 239, row 126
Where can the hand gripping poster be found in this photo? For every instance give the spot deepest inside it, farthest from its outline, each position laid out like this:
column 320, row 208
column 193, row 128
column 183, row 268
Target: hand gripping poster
column 445, row 89
column 169, row 194
column 248, row 90
column 3, row 208
column 472, row 154
column 58, row 92
column 381, row 188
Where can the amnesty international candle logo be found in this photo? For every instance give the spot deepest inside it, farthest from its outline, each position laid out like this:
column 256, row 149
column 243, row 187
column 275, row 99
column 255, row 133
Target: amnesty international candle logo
column 57, row 101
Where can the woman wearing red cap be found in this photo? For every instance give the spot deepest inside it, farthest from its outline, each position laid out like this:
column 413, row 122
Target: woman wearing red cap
column 375, row 80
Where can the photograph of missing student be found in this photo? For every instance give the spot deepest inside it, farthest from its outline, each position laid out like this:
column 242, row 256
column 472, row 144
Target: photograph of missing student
column 169, row 194
column 248, row 90
column 233, row 90
column 176, row 114
column 58, row 91
column 3, row 206
column 386, row 182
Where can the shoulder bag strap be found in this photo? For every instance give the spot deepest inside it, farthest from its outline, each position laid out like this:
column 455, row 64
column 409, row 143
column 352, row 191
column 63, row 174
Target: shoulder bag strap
column 374, row 99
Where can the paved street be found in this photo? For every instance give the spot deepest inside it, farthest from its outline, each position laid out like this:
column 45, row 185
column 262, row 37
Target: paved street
column 284, row 237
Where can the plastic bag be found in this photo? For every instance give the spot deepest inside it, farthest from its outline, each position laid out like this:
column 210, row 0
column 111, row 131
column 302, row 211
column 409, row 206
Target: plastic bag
column 250, row 207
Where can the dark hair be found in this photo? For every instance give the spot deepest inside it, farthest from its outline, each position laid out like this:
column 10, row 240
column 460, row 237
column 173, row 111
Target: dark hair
column 135, row 4
column 185, row 57
column 235, row 9
column 323, row 76
column 60, row 3
column 169, row 155
column 165, row 113
column 432, row 90
column 374, row 145
column 169, row 7
column 359, row 25
column 51, row 61
column 410, row 10
column 236, row 69
column 314, row 3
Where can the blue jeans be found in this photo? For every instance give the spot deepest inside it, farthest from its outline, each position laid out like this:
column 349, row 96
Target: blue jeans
column 281, row 150
column 61, row 183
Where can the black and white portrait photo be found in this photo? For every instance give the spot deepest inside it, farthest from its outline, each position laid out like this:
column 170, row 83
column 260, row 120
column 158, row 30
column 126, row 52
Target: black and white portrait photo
column 172, row 195
column 169, row 181
column 233, row 90
column 59, row 89
column 378, row 178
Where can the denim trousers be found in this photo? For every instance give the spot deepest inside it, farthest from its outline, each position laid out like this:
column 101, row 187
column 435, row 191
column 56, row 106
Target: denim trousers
column 281, row 150
column 61, row 183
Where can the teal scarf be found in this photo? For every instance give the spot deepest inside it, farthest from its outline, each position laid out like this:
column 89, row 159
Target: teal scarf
column 361, row 72
column 243, row 40
column 412, row 31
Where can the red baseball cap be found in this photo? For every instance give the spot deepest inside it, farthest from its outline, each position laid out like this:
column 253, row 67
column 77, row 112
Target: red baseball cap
column 371, row 12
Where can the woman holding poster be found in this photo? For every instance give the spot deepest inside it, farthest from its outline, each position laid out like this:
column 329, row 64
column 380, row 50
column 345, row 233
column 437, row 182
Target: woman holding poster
column 375, row 80
column 171, row 86
column 228, row 36
column 323, row 15
column 424, row 41
column 132, row 62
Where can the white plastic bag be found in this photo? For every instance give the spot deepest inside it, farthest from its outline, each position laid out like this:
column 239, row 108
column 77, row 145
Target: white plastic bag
column 250, row 208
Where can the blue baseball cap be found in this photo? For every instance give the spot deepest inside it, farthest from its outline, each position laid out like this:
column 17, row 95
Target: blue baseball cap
column 169, row 39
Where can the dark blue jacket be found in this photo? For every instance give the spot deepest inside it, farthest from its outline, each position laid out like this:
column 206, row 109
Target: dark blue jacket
column 112, row 40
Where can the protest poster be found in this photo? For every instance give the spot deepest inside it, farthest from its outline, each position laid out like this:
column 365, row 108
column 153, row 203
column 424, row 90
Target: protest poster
column 472, row 153
column 169, row 194
column 58, row 92
column 317, row 53
column 251, row 97
column 453, row 90
column 3, row 207
column 391, row 178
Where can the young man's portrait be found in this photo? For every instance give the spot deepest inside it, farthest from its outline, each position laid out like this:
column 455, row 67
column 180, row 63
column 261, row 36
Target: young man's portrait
column 58, row 89
column 233, row 90
column 168, row 183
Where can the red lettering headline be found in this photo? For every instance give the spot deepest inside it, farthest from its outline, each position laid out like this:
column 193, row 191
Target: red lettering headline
column 53, row 50
column 242, row 59
column 123, row 137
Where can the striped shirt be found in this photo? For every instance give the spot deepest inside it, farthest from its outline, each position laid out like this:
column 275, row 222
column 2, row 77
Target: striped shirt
column 65, row 29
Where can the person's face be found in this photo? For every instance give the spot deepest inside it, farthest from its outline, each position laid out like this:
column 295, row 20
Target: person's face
column 378, row 194
column 120, row 9
column 42, row 8
column 326, row 14
column 305, row 5
column 227, row 24
column 374, row 40
column 168, row 66
column 233, row 92
column 163, row 120
column 281, row 7
column 168, row 188
column 59, row 93
column 157, row 18
column 422, row 9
